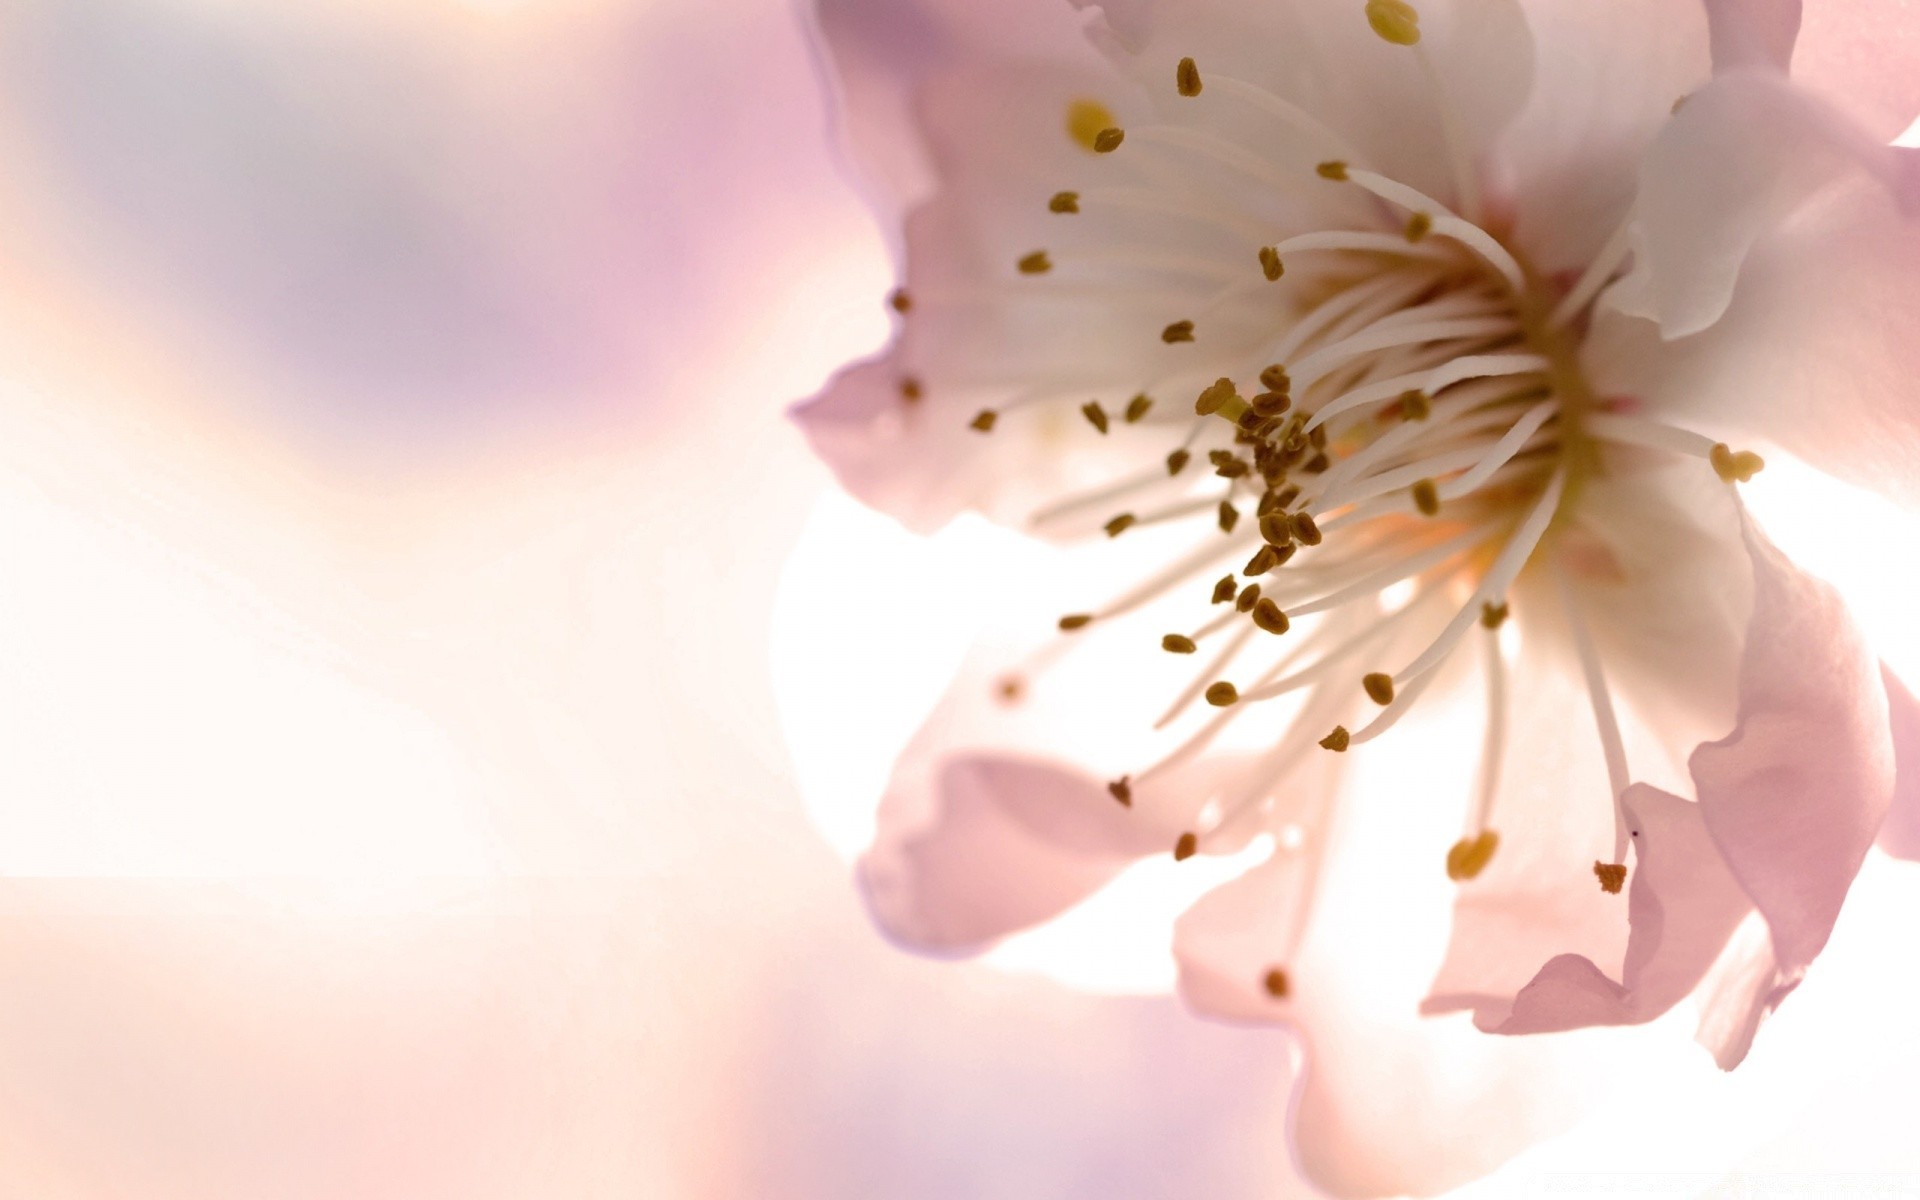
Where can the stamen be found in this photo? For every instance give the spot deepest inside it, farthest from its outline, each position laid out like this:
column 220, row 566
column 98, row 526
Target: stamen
column 1179, row 331
column 1598, row 274
column 1498, row 579
column 1275, row 983
column 1210, row 672
column 1177, row 461
column 1137, row 408
column 1612, row 876
column 1073, row 621
column 1447, row 223
column 1086, row 121
column 1176, row 643
column 1229, row 516
column 1395, row 21
column 1358, row 241
column 1064, row 202
column 1734, row 466
column 1338, row 740
column 1493, row 746
column 1225, row 590
column 1419, row 225
column 1287, row 112
column 1493, row 616
column 1379, row 687
column 1108, row 140
column 1426, row 498
column 1222, row 694
column 1121, row 789
column 1187, row 78
column 1267, row 615
column 1036, row 263
column 911, row 389
column 1217, row 397
column 1470, row 856
column 1270, row 264
column 1612, row 746
column 983, row 421
column 899, row 301
column 1335, row 170
column 1186, row 847
column 1120, row 524
column 1502, row 452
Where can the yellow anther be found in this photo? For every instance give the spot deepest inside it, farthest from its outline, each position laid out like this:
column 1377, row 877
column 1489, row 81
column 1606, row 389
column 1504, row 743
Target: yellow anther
column 1338, row 740
column 1108, row 140
column 1222, row 694
column 1270, row 264
column 1277, row 528
column 1064, row 202
column 1276, row 984
column 911, row 390
column 1334, row 170
column 1095, row 415
column 1229, row 516
column 1186, row 847
column 1187, row 77
column 1276, row 379
column 1215, row 397
column 1734, row 466
column 1036, row 263
column 1249, row 597
column 1426, row 497
column 1379, row 687
column 1265, row 559
column 1226, row 590
column 1304, row 530
column 899, row 301
column 1492, row 615
column 1177, row 461
column 1137, row 408
column 1470, row 856
column 1268, row 616
column 1121, row 789
column 1419, row 225
column 1395, row 21
column 983, row 421
column 1086, row 121
column 1612, row 876
column 1073, row 621
column 1416, row 405
column 1271, row 404
column 1120, row 524
column 1178, row 643
column 1179, row 331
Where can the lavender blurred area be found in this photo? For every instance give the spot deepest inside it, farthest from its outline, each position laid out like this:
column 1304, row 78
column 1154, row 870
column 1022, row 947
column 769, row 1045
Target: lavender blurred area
column 393, row 491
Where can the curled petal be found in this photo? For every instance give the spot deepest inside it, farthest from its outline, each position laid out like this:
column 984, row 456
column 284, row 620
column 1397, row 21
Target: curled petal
column 1005, row 843
column 1795, row 795
column 1682, row 906
column 1742, row 154
column 1900, row 836
column 1815, row 353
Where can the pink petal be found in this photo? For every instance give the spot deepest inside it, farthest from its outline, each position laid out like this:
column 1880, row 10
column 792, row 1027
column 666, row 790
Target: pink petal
column 1741, row 155
column 1863, row 55
column 1795, row 794
column 1574, row 152
column 1746, row 985
column 879, row 54
column 1682, row 905
column 1228, row 942
column 1007, row 844
column 1900, row 836
column 1753, row 33
column 1816, row 354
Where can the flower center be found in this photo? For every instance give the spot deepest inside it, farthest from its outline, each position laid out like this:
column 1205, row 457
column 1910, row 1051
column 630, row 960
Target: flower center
column 1388, row 418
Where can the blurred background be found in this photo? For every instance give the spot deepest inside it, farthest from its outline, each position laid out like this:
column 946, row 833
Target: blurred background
column 394, row 505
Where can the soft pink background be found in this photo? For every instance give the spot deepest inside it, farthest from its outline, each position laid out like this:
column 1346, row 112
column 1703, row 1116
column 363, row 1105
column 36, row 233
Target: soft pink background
column 393, row 494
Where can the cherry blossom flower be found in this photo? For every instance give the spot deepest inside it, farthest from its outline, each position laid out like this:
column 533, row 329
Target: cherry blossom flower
column 1413, row 354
